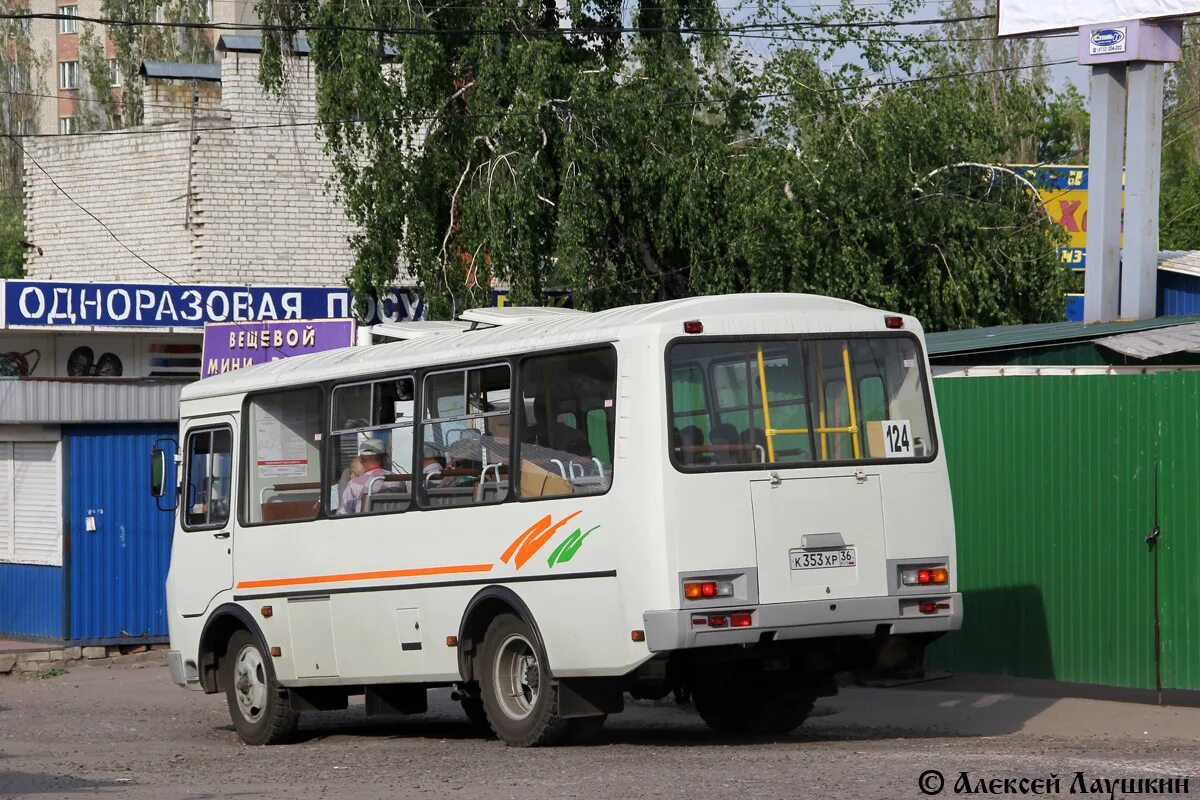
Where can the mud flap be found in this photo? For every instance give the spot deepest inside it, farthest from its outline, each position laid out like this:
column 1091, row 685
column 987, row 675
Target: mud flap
column 590, row 697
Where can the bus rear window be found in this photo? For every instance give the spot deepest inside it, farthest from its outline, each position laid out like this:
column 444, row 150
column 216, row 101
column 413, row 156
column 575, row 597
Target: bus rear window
column 782, row 401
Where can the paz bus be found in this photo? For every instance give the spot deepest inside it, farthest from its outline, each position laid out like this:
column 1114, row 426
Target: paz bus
column 729, row 498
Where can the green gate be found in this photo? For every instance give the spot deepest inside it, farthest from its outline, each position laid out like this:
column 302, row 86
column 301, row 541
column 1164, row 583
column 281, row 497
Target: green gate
column 1057, row 482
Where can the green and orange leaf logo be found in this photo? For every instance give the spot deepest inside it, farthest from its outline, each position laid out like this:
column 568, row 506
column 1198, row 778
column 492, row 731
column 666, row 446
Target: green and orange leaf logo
column 526, row 546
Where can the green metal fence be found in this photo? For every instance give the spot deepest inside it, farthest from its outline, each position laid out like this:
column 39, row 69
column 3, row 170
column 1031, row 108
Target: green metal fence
column 1057, row 482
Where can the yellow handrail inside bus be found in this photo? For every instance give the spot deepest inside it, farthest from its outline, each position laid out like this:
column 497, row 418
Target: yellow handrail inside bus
column 821, row 406
column 766, row 406
column 851, row 429
column 850, row 399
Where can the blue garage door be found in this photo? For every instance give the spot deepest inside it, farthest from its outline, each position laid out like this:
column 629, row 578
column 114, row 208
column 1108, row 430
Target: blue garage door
column 118, row 561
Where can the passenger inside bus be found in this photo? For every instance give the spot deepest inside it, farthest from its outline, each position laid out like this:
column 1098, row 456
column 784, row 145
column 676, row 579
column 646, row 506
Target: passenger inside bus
column 372, row 455
column 691, row 441
column 463, row 463
column 431, row 465
column 548, row 431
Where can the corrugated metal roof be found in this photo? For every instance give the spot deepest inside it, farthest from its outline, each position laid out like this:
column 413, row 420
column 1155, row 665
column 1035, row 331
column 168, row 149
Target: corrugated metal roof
column 1151, row 344
column 49, row 400
column 171, row 70
column 1012, row 337
column 740, row 314
column 1184, row 261
column 253, row 44
column 244, row 43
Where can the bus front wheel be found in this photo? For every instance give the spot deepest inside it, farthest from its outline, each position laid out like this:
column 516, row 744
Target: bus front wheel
column 519, row 696
column 261, row 709
column 758, row 704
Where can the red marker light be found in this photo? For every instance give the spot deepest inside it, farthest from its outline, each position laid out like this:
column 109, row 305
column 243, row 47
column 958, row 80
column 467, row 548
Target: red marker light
column 693, row 326
column 717, row 620
column 893, row 322
column 928, row 607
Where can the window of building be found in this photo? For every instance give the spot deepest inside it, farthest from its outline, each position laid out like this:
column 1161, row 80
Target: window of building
column 114, row 69
column 567, row 418
column 68, row 74
column 30, row 503
column 467, row 433
column 283, row 464
column 18, row 78
column 67, row 23
column 68, row 124
column 372, row 447
column 209, row 484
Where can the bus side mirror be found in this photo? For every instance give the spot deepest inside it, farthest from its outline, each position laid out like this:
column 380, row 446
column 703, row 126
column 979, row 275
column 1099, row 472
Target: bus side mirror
column 158, row 472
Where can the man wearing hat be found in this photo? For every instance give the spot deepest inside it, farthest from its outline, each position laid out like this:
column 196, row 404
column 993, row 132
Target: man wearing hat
column 371, row 453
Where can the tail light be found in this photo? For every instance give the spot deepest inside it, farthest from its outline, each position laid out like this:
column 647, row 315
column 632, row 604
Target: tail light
column 893, row 322
column 706, row 590
column 738, row 619
column 925, row 576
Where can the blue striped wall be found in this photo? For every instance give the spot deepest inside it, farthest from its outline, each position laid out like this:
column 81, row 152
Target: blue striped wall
column 31, row 601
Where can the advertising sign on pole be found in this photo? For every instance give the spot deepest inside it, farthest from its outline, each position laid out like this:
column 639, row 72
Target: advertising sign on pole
column 1024, row 17
column 235, row 345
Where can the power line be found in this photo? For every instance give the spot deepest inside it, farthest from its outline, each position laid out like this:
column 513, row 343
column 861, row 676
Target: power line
column 514, row 31
column 580, row 111
column 109, row 231
column 78, row 205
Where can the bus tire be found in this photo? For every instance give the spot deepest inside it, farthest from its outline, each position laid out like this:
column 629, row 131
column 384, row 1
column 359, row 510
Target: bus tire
column 472, row 706
column 752, row 705
column 519, row 696
column 260, row 708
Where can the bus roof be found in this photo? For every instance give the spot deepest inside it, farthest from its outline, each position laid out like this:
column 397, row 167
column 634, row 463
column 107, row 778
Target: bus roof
column 517, row 333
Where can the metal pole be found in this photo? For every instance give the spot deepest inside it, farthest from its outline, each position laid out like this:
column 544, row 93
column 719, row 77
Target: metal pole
column 1143, row 170
column 1102, row 278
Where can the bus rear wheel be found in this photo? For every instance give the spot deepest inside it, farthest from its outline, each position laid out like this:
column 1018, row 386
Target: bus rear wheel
column 519, row 696
column 752, row 703
column 260, row 708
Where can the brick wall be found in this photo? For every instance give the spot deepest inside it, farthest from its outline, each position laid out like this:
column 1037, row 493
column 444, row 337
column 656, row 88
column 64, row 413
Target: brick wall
column 258, row 211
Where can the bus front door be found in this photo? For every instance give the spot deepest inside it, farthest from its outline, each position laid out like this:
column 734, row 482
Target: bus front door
column 202, row 553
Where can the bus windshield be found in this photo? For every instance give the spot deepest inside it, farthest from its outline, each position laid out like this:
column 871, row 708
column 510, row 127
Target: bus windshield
column 796, row 401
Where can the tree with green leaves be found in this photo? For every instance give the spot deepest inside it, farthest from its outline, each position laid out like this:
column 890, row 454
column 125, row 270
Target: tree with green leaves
column 135, row 44
column 1179, row 199
column 657, row 154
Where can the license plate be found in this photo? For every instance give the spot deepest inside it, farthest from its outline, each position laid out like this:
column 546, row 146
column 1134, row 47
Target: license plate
column 822, row 559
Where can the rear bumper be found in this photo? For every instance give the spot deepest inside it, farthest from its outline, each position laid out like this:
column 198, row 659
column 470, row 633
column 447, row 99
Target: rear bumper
column 814, row 619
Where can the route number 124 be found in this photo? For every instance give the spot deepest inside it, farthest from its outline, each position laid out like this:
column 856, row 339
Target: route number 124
column 897, row 438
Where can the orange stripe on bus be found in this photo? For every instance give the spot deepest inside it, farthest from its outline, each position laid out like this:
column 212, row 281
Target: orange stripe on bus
column 367, row 576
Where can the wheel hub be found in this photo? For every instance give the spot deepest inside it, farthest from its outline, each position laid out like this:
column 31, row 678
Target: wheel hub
column 517, row 677
column 249, row 683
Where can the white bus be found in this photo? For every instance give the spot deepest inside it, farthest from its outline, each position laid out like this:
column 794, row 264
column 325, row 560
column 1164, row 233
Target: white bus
column 729, row 498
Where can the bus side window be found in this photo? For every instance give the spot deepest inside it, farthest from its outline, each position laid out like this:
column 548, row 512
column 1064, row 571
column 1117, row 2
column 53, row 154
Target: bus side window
column 371, row 435
column 560, row 453
column 283, row 442
column 209, row 478
column 466, row 434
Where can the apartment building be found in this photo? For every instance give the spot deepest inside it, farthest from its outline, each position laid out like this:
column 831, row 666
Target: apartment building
column 57, row 42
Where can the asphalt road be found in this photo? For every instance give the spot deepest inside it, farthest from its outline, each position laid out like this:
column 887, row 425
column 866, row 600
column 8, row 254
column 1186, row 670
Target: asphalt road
column 128, row 732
